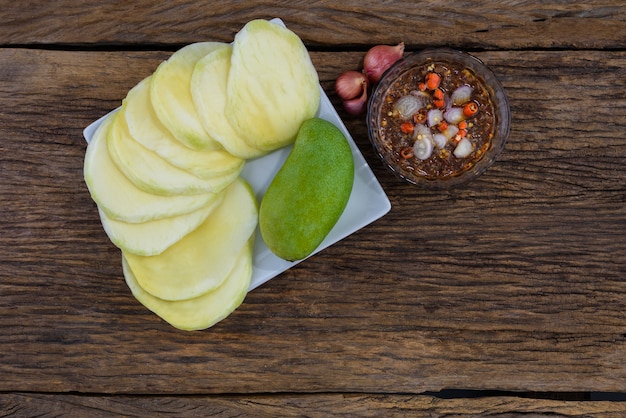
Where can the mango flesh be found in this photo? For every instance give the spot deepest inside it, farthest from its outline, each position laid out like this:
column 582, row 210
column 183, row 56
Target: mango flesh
column 145, row 128
column 208, row 89
column 204, row 310
column 151, row 173
column 153, row 237
column 201, row 260
column 170, row 94
column 118, row 197
column 309, row 193
column 272, row 85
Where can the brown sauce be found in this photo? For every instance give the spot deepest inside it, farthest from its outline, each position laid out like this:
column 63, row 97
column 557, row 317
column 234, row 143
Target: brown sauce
column 398, row 138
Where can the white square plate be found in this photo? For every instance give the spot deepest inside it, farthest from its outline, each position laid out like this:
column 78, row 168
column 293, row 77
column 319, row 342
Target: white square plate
column 368, row 201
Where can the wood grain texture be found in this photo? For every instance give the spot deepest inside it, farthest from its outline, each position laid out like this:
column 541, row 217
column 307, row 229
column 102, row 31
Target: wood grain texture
column 515, row 282
column 319, row 405
column 464, row 24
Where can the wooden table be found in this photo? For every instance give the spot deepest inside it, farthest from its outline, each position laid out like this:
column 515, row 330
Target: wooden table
column 513, row 286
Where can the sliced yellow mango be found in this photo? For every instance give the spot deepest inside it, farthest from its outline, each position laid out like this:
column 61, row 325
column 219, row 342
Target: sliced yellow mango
column 153, row 237
column 153, row 174
column 170, row 94
column 118, row 197
column 205, row 310
column 272, row 85
column 201, row 260
column 208, row 89
column 145, row 128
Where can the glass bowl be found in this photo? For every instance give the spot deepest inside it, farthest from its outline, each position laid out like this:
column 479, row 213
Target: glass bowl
column 427, row 129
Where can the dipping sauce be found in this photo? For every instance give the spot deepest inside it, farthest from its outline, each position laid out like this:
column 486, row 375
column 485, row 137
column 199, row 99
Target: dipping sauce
column 435, row 120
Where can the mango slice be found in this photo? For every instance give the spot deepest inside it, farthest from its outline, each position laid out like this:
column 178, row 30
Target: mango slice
column 272, row 85
column 153, row 174
column 153, row 237
column 208, row 89
column 309, row 193
column 145, row 128
column 205, row 310
column 201, row 260
column 170, row 94
column 118, row 197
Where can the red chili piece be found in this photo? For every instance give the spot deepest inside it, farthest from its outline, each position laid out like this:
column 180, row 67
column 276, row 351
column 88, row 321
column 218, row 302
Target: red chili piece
column 420, row 116
column 406, row 152
column 470, row 109
column 407, row 127
column 433, row 80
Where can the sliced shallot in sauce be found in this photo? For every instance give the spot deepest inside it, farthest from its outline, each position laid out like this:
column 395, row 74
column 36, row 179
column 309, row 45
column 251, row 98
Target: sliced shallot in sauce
column 407, row 106
column 440, row 140
column 423, row 148
column 461, row 95
column 434, row 117
column 463, row 148
column 454, row 115
column 451, row 131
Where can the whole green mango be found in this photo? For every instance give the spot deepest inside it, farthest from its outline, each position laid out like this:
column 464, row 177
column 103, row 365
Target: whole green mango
column 309, row 193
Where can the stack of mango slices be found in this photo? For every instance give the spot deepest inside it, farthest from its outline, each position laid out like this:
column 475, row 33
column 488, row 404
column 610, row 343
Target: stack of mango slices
column 165, row 168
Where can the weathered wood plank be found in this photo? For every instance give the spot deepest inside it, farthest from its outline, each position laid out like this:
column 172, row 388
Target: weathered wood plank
column 316, row 405
column 514, row 282
column 466, row 24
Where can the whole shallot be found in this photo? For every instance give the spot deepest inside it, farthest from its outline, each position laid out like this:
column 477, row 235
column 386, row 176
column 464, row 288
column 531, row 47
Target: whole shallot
column 351, row 84
column 356, row 106
column 379, row 58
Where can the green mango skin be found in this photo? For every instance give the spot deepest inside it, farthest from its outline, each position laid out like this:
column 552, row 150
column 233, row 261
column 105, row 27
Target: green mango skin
column 309, row 193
